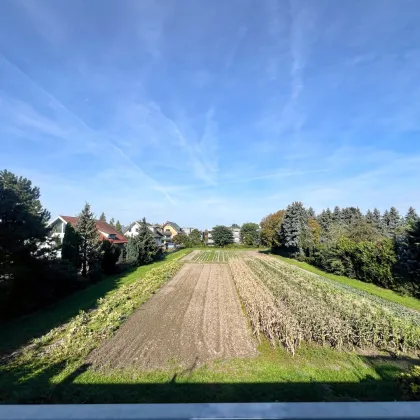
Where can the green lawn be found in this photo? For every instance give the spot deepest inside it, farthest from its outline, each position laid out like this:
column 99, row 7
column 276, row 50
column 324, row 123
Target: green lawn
column 17, row 333
column 314, row 374
column 387, row 294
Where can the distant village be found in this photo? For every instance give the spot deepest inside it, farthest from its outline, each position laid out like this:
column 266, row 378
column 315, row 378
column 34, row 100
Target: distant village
column 164, row 234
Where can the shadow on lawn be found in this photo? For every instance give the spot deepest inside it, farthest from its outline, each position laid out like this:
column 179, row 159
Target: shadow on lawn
column 20, row 331
column 39, row 389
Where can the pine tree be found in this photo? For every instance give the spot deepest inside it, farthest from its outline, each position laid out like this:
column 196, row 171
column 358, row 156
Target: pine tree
column 102, row 217
column 112, row 222
column 394, row 220
column 385, row 221
column 413, row 239
column 142, row 248
column 294, row 228
column 369, row 217
column 23, row 221
column 118, row 227
column 311, row 212
column 411, row 217
column 70, row 247
column 376, row 217
column 325, row 219
column 336, row 215
column 89, row 250
column 349, row 214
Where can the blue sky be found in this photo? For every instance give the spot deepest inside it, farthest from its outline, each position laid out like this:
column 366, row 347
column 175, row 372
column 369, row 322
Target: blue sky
column 211, row 112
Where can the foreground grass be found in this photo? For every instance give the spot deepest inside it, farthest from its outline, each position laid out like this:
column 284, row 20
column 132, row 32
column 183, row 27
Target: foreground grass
column 18, row 332
column 387, row 294
column 314, row 374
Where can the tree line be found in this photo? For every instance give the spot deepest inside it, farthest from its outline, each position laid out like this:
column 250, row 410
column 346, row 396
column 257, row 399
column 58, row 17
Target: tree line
column 221, row 235
column 32, row 272
column 383, row 249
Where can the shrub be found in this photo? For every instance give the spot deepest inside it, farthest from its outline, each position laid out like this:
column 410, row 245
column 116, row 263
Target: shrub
column 410, row 384
column 36, row 284
column 110, row 256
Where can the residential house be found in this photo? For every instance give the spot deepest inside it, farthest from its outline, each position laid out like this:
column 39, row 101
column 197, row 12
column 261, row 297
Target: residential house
column 187, row 230
column 208, row 238
column 170, row 229
column 106, row 231
column 157, row 231
column 236, row 235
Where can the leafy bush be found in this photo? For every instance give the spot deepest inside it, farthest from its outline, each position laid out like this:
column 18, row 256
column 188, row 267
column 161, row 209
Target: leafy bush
column 35, row 284
column 410, row 384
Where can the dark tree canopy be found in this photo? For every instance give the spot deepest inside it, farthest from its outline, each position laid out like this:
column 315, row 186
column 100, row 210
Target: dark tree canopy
column 30, row 274
column 70, row 248
column 222, row 236
column 102, row 217
column 89, row 249
column 23, row 220
column 110, row 255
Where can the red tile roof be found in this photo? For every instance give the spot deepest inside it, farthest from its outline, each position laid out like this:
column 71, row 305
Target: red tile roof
column 102, row 227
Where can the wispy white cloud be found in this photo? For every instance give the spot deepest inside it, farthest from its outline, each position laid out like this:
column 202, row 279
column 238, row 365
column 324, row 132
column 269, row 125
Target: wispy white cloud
column 71, row 128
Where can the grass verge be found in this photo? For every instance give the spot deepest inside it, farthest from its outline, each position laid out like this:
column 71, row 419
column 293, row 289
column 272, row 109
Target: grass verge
column 16, row 333
column 32, row 373
column 387, row 294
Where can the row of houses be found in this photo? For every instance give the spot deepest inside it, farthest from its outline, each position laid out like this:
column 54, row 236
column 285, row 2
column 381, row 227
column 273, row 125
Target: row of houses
column 163, row 234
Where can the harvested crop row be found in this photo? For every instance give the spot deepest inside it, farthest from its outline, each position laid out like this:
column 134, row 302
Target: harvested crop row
column 328, row 315
column 265, row 312
column 294, row 274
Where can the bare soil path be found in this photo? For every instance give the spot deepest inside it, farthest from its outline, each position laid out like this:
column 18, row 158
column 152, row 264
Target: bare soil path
column 194, row 318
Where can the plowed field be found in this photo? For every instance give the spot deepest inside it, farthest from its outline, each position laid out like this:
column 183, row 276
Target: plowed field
column 195, row 318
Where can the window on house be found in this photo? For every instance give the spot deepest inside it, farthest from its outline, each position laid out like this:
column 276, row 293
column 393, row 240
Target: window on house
column 112, row 236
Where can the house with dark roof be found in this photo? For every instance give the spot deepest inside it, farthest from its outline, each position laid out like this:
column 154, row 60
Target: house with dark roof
column 170, row 229
column 106, row 231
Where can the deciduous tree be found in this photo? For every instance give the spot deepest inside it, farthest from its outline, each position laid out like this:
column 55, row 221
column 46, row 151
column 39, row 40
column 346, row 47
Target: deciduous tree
column 270, row 229
column 222, row 236
column 195, row 237
column 182, row 239
column 250, row 234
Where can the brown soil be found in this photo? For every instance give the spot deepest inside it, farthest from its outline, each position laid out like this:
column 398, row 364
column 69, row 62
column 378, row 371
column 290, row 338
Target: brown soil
column 194, row 318
column 190, row 256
